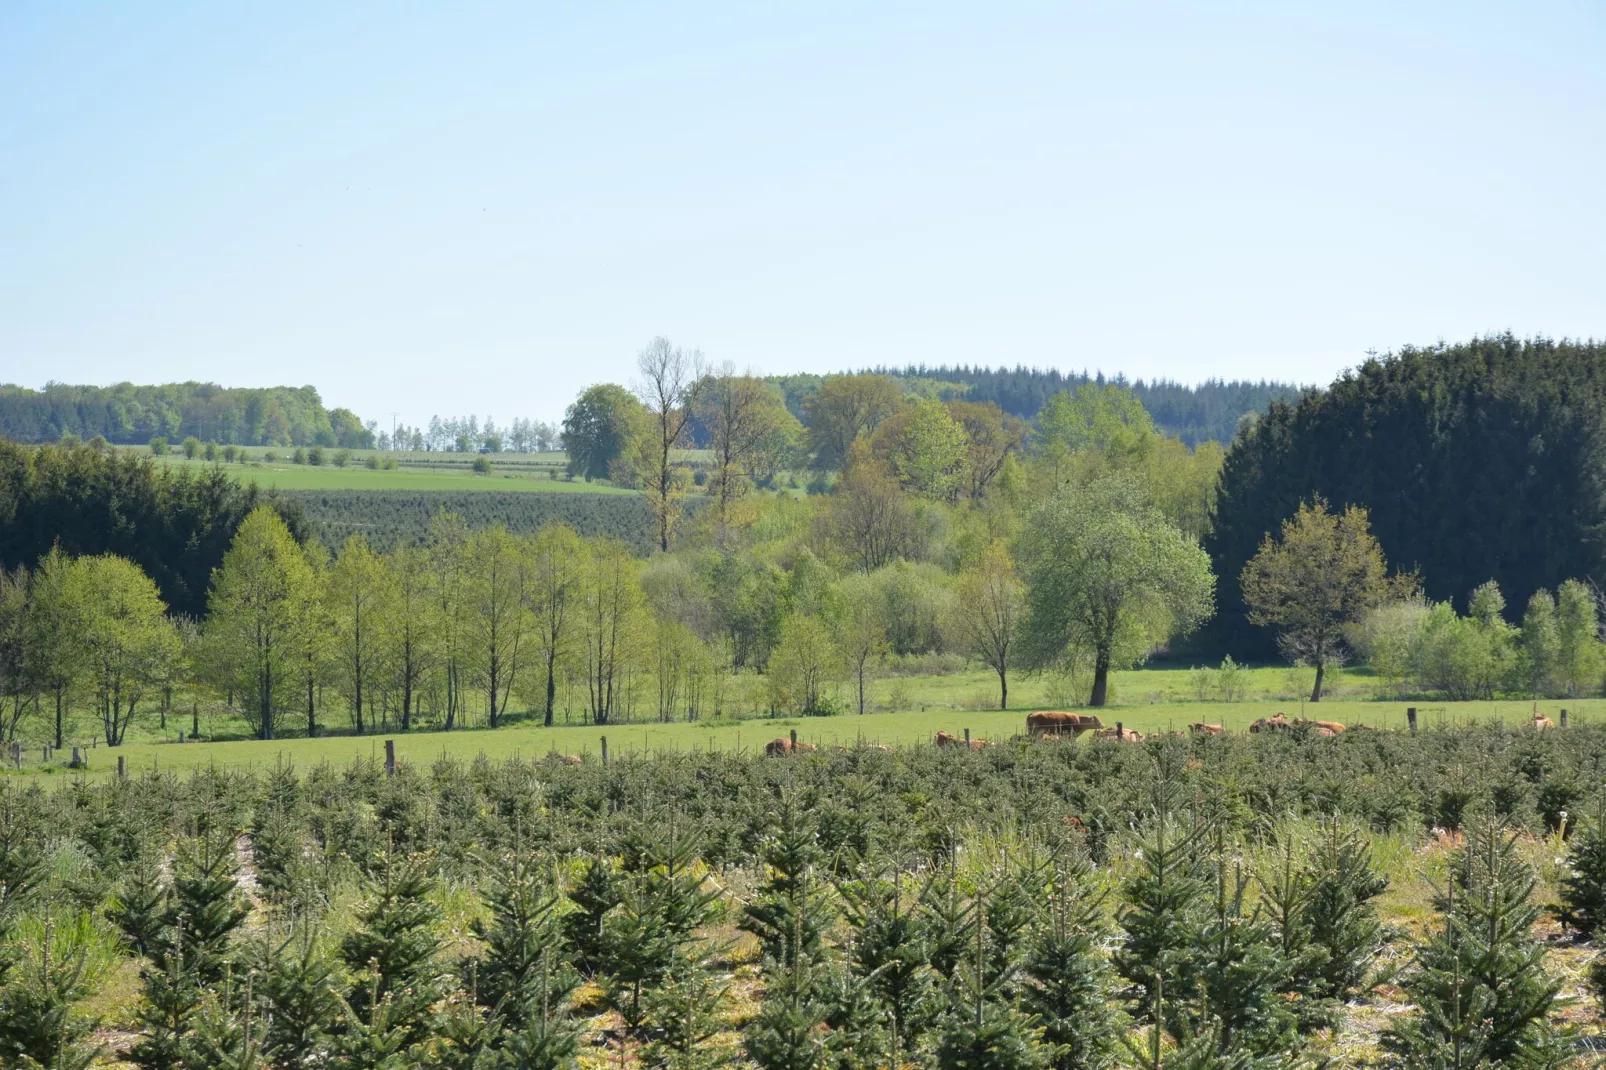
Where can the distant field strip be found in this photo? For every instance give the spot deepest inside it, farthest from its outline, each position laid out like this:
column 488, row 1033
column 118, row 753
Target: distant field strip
column 895, row 729
column 390, row 518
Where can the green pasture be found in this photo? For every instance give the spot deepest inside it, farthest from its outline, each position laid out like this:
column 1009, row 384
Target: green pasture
column 905, row 728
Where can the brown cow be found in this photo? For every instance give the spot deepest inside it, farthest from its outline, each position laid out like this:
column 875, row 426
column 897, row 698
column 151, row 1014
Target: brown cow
column 569, row 759
column 1199, row 728
column 1119, row 734
column 1541, row 722
column 1057, row 722
column 1278, row 723
column 1333, row 728
column 779, row 748
column 946, row 740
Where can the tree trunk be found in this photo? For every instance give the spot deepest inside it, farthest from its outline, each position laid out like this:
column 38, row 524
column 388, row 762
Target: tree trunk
column 59, row 703
column 1101, row 678
column 312, row 710
column 1003, row 689
column 1316, row 692
column 551, row 685
column 861, row 689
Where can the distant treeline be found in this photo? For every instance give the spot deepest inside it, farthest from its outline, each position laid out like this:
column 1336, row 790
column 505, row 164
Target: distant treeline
column 174, row 525
column 1477, row 461
column 126, row 414
column 1211, row 411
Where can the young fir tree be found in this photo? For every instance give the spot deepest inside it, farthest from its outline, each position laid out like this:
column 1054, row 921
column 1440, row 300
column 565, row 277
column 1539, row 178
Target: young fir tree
column 984, row 1030
column 1240, row 973
column 660, row 911
column 139, row 908
column 295, row 982
column 592, row 898
column 206, row 904
column 787, row 1033
column 1340, row 914
column 524, row 973
column 1479, row 983
column 1161, row 918
column 41, row 1024
column 861, row 1034
column 193, row 952
column 226, row 1032
column 888, row 949
column 393, row 955
column 1583, row 888
column 1068, row 979
column 684, row 1011
column 1153, row 1050
column 786, row 921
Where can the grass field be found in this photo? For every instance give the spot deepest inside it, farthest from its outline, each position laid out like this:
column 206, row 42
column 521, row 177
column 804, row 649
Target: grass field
column 893, row 729
column 456, row 477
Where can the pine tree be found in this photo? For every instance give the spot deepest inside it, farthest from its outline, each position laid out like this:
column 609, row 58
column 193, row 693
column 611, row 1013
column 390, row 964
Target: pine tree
column 889, row 950
column 787, row 921
column 524, row 971
column 1240, row 973
column 140, row 908
column 1068, row 978
column 1340, row 914
column 860, row 1024
column 41, row 1024
column 1161, row 918
column 1480, row 983
column 206, row 904
column 393, row 955
column 684, row 1012
column 225, row 1034
column 984, row 1031
column 786, row 1035
column 294, row 985
column 661, row 909
column 593, row 897
column 1583, row 888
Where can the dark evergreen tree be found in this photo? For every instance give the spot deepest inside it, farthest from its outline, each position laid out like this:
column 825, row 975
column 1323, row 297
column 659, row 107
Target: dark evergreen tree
column 393, row 955
column 889, row 950
column 1161, row 918
column 983, row 1029
column 790, row 916
column 41, row 1023
column 525, row 973
column 683, row 1012
column 1456, row 451
column 787, row 1034
column 1480, row 985
column 1583, row 884
column 140, row 907
column 295, row 984
column 1068, row 978
column 593, row 897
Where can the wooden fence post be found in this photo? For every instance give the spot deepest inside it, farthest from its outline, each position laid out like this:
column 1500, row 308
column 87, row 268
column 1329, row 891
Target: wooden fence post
column 794, row 739
column 122, row 770
column 967, row 737
column 390, row 757
column 1564, row 718
column 1410, row 718
column 77, row 762
column 604, row 750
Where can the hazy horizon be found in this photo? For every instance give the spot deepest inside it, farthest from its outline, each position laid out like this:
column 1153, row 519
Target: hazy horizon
column 485, row 208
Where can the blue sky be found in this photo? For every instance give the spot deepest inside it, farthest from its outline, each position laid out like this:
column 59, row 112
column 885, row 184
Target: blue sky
column 482, row 208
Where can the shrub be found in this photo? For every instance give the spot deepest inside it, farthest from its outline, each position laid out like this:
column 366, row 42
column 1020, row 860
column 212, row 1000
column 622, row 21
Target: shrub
column 191, row 447
column 230, row 453
column 158, row 446
column 342, row 458
column 1230, row 680
column 315, row 455
column 299, row 457
column 270, row 457
column 209, row 451
column 372, row 463
column 482, row 466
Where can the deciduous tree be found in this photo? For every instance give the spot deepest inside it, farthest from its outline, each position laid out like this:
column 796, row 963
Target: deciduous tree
column 989, row 601
column 126, row 638
column 256, row 608
column 1324, row 572
column 671, row 379
column 1108, row 575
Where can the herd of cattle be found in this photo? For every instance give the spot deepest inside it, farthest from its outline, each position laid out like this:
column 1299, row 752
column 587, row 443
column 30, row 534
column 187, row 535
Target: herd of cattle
column 1060, row 723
